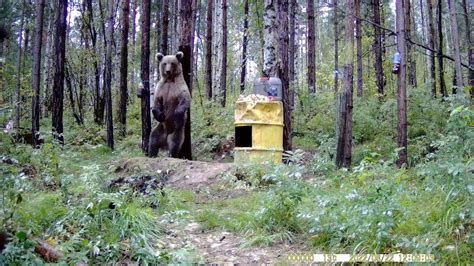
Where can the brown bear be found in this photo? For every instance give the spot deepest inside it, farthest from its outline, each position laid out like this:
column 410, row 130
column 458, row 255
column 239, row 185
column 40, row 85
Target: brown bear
column 171, row 103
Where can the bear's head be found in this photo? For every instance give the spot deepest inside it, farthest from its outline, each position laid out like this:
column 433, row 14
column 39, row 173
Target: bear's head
column 170, row 65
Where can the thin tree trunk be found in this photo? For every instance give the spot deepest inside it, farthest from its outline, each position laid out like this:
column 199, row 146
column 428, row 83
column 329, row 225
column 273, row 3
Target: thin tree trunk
column 134, row 43
column 36, row 72
column 18, row 67
column 108, row 75
column 244, row 47
column 208, row 52
column 359, row 48
column 344, row 136
column 442, row 84
column 455, row 39
column 59, row 59
column 165, row 25
column 48, row 64
column 283, row 71
column 469, row 44
column 378, row 63
column 423, row 37
column 145, row 74
column 401, row 88
column 311, row 48
column 431, row 43
column 223, row 79
column 124, row 67
column 292, row 52
column 336, row 47
column 185, row 46
column 411, row 64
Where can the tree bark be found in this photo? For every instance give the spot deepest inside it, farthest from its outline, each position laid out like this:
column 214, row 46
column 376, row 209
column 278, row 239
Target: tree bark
column 270, row 39
column 185, row 46
column 134, row 44
column 442, row 84
column 108, row 75
column 36, row 72
column 165, row 25
column 18, row 67
column 311, row 48
column 244, row 47
column 470, row 45
column 455, row 39
column 145, row 74
column 208, row 52
column 401, row 88
column 59, row 59
column 124, row 67
column 359, row 48
column 411, row 64
column 378, row 63
column 283, row 71
column 431, row 43
column 223, row 79
column 344, row 133
column 292, row 52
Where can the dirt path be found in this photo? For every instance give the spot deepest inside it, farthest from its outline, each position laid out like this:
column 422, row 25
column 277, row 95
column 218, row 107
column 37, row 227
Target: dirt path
column 214, row 246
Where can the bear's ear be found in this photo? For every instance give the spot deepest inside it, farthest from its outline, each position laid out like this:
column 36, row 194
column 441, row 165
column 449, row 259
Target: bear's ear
column 159, row 56
column 179, row 55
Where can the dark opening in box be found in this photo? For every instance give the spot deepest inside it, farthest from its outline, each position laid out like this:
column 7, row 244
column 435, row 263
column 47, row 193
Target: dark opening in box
column 243, row 136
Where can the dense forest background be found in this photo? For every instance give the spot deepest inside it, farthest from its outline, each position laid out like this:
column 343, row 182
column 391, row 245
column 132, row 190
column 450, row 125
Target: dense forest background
column 378, row 133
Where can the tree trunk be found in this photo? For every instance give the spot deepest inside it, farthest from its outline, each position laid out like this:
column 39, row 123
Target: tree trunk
column 283, row 71
column 423, row 38
column 98, row 98
column 244, row 47
column 292, row 52
column 344, row 125
column 378, row 63
column 36, row 72
column 431, row 43
column 165, row 25
column 469, row 45
column 336, row 48
column 18, row 67
column 49, row 63
column 411, row 64
column 208, row 52
column 124, row 67
column 359, row 48
column 59, row 59
column 270, row 38
column 223, row 79
column 401, row 88
column 442, row 84
column 108, row 75
column 311, row 48
column 134, row 44
column 185, row 46
column 455, row 39
column 145, row 74
column 176, row 35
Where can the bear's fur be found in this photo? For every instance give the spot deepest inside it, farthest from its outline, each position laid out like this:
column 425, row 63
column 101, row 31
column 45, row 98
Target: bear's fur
column 171, row 103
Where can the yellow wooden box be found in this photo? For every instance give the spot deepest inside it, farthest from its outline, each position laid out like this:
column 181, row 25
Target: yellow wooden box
column 258, row 132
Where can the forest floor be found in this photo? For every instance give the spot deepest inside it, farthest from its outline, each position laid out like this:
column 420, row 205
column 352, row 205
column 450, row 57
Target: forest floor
column 204, row 183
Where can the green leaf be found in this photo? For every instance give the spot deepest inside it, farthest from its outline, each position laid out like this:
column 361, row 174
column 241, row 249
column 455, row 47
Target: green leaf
column 21, row 235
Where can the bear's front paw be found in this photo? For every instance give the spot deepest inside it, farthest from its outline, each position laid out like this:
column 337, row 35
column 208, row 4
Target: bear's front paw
column 159, row 116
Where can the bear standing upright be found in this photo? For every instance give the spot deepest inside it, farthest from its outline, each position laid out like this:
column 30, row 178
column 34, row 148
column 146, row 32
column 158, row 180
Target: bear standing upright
column 171, row 103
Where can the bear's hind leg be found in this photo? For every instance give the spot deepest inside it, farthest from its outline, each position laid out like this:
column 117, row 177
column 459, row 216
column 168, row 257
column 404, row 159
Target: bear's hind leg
column 175, row 142
column 157, row 140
